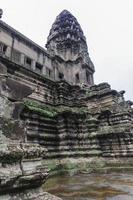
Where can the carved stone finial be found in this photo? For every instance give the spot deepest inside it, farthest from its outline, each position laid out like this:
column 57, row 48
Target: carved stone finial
column 1, row 13
column 65, row 31
column 66, row 43
column 66, row 39
column 66, row 25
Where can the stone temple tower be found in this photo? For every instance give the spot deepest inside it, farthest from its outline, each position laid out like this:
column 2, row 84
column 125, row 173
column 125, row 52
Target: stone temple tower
column 67, row 45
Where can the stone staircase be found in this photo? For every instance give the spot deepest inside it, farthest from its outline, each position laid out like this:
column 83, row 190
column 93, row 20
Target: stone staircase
column 66, row 135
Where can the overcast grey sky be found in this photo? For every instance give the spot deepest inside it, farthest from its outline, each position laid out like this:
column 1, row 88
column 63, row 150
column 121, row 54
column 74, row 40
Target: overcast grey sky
column 107, row 25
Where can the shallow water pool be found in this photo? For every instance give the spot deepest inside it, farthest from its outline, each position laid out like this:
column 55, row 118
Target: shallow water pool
column 92, row 186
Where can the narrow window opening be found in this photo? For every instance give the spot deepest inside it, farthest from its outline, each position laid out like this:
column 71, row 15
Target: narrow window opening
column 48, row 72
column 28, row 61
column 16, row 56
column 88, row 77
column 39, row 67
column 3, row 48
column 61, row 75
column 77, row 80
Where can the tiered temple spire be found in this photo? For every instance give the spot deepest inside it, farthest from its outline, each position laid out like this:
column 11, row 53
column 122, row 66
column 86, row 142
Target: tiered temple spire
column 66, row 43
column 1, row 13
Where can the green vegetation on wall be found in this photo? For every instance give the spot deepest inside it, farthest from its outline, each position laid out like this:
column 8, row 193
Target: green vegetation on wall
column 40, row 109
column 51, row 111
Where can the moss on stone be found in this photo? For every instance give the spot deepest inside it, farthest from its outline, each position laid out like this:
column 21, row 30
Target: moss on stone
column 76, row 110
column 10, row 154
column 40, row 109
column 73, row 166
column 51, row 111
column 97, row 164
column 95, row 152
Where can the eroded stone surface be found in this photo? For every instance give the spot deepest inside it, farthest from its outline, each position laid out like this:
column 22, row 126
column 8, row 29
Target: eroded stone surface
column 20, row 162
column 66, row 43
column 36, row 194
column 68, row 117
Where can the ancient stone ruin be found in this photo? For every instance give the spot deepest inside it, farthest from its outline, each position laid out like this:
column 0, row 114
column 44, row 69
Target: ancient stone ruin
column 51, row 112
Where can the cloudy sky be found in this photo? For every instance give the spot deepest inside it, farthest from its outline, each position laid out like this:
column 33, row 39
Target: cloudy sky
column 107, row 25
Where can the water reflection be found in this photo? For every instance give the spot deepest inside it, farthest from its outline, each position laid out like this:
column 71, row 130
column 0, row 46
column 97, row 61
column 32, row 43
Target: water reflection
column 92, row 187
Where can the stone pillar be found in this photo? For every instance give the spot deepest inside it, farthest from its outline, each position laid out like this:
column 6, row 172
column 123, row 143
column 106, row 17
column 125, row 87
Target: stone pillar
column 33, row 65
column 91, row 79
column 44, row 70
column 83, row 76
column 8, row 52
column 56, row 74
column 22, row 59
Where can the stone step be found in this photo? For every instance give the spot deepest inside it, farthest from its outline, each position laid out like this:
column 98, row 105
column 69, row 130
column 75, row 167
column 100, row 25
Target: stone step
column 42, row 135
column 40, row 124
column 116, row 143
column 71, row 148
column 74, row 132
column 48, row 143
column 118, row 150
column 73, row 142
column 69, row 126
column 37, row 117
column 64, row 154
column 40, row 129
column 124, row 146
column 62, row 120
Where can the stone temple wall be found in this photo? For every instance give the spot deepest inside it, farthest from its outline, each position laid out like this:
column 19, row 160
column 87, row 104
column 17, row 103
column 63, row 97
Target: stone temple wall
column 42, row 119
column 70, row 121
column 21, row 162
column 101, row 126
